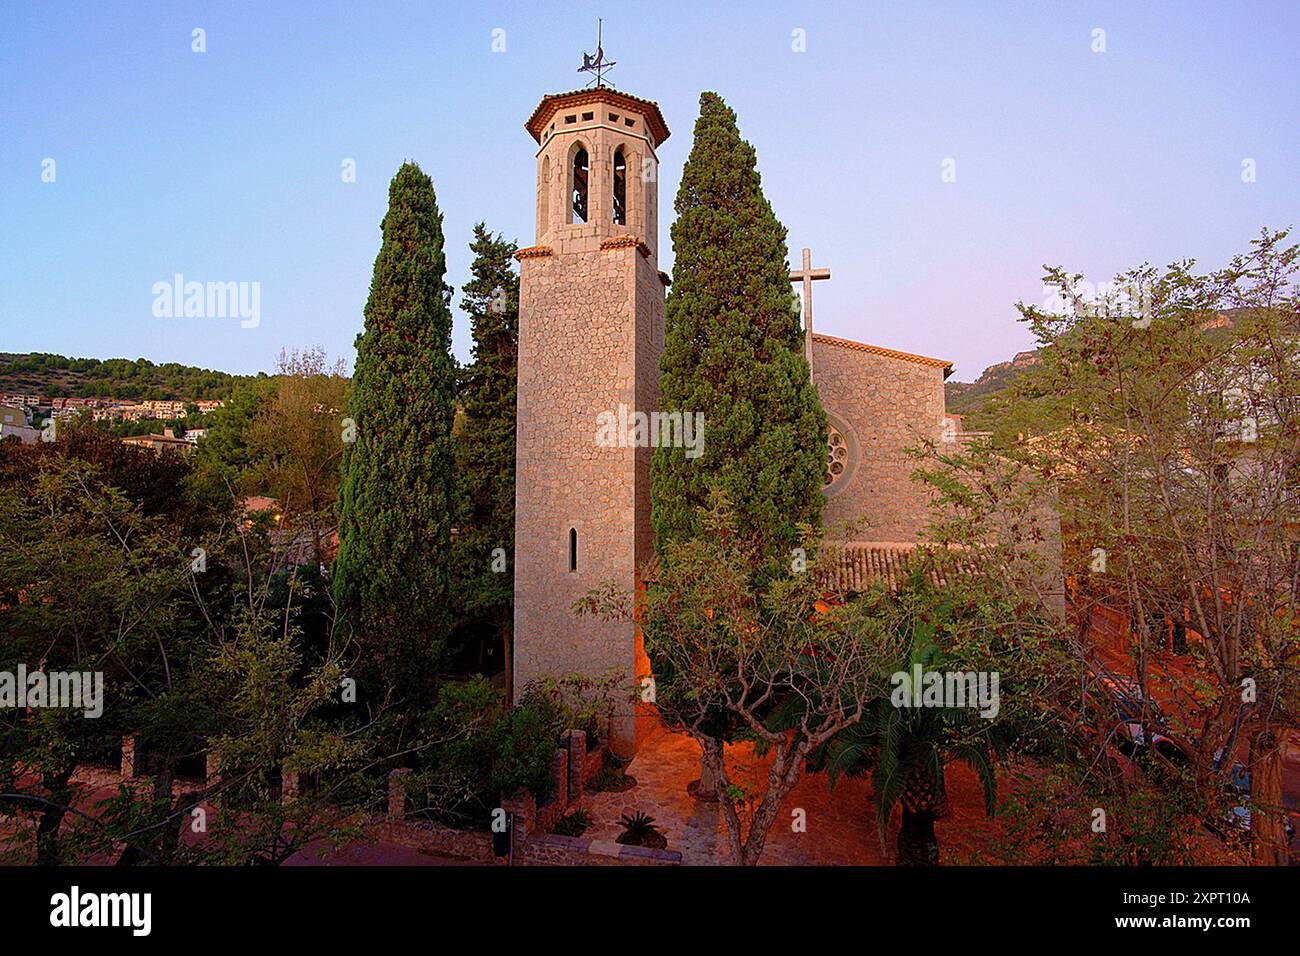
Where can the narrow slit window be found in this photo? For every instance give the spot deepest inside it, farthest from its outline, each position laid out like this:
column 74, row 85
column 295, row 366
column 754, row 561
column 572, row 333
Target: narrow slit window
column 580, row 170
column 620, row 187
column 573, row 549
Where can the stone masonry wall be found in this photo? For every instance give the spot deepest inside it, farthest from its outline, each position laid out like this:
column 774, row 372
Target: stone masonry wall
column 591, row 331
column 885, row 405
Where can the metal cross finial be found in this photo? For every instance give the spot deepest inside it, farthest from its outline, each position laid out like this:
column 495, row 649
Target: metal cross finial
column 597, row 64
column 806, row 275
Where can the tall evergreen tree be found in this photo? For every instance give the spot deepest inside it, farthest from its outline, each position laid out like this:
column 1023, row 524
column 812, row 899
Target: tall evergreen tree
column 485, row 443
column 733, row 350
column 392, row 574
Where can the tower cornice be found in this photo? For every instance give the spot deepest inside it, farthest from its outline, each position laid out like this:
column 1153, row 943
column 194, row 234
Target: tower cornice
column 552, row 103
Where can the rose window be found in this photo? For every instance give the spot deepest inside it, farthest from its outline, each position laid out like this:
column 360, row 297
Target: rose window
column 837, row 454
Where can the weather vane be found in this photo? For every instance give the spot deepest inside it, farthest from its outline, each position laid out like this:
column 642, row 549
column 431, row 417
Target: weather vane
column 597, row 64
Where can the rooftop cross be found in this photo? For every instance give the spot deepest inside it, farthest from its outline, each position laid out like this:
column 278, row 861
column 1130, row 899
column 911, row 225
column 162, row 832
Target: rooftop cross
column 806, row 275
column 597, row 64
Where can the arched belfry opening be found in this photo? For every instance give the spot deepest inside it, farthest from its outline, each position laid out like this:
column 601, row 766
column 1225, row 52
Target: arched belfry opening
column 544, row 197
column 620, row 187
column 580, row 178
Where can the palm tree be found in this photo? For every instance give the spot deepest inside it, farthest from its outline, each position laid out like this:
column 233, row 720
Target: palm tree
column 905, row 750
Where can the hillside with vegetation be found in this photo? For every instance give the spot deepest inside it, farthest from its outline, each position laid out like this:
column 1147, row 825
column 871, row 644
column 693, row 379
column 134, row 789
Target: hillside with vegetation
column 986, row 403
column 57, row 376
column 974, row 399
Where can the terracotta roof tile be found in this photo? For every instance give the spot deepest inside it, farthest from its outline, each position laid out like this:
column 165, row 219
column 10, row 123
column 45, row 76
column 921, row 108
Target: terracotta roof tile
column 887, row 353
column 857, row 565
column 534, row 252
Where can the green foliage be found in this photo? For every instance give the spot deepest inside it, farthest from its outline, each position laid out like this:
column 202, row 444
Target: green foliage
column 485, row 440
column 235, row 657
column 145, row 426
column 296, row 442
column 574, row 824
column 90, row 584
column 1177, row 459
column 984, row 402
column 733, row 351
column 584, row 702
column 113, row 602
column 1049, row 817
column 57, row 376
column 153, row 482
column 392, row 574
column 224, row 457
column 1164, row 414
column 638, row 825
column 524, row 752
column 725, row 651
column 478, row 752
column 905, row 749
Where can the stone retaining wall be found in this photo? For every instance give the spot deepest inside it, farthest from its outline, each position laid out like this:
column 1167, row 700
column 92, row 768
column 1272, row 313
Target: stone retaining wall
column 572, row 767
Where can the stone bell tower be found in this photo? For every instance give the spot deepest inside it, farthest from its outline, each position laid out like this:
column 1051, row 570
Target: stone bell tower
column 591, row 331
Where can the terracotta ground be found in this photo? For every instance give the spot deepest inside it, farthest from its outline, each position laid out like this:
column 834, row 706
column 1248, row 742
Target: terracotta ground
column 841, row 828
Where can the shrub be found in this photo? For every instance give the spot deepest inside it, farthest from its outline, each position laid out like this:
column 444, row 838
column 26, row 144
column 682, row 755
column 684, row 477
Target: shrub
column 639, row 830
column 581, row 702
column 478, row 752
column 574, row 825
column 523, row 754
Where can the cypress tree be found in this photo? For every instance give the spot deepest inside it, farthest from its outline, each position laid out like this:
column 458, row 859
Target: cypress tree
column 485, row 443
column 392, row 574
column 733, row 350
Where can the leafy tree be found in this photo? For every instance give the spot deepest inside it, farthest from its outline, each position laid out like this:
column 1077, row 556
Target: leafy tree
column 1179, row 495
column 213, row 659
column 954, row 628
column 479, row 750
column 296, row 442
column 392, row 574
column 115, row 608
column 223, row 459
column 1164, row 412
column 485, row 443
column 725, row 646
column 153, row 482
column 279, row 709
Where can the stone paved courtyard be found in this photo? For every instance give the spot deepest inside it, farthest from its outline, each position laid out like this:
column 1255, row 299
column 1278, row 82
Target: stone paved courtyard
column 839, row 831
column 841, row 827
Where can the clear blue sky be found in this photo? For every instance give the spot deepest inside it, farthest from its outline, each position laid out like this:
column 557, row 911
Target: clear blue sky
column 225, row 166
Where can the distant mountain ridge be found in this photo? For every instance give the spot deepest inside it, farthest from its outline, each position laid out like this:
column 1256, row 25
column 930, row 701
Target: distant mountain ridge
column 970, row 399
column 967, row 398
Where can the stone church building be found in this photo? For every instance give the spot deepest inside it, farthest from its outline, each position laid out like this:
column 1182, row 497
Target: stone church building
column 591, row 332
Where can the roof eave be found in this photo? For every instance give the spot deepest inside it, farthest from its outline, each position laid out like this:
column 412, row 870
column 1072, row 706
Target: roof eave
column 654, row 118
